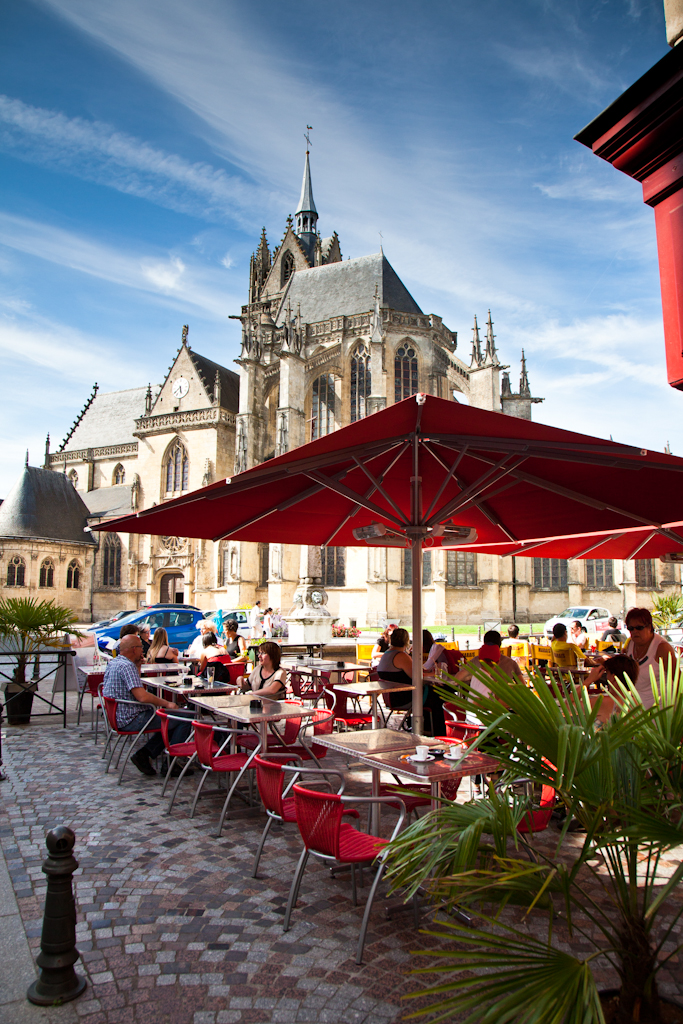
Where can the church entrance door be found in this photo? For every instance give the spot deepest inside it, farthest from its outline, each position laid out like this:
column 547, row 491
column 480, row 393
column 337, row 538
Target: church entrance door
column 172, row 588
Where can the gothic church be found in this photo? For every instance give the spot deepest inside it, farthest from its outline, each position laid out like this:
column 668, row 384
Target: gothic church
column 325, row 342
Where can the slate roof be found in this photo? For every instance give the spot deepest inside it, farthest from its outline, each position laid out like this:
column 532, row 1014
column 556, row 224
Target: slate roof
column 230, row 381
column 44, row 505
column 109, row 501
column 346, row 288
column 110, row 419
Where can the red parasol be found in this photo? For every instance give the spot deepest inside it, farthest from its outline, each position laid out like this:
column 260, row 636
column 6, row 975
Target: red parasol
column 428, row 472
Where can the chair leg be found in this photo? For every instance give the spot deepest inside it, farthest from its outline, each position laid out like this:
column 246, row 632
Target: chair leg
column 366, row 915
column 199, row 789
column 178, row 781
column 354, row 894
column 168, row 774
column 294, row 891
column 126, row 759
column 228, row 798
column 264, row 834
column 80, row 707
column 114, row 747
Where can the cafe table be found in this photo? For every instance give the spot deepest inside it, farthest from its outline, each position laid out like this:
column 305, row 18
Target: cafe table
column 237, row 707
column 372, row 690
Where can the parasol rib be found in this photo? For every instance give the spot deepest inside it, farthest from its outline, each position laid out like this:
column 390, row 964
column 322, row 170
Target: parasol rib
column 369, row 491
column 498, row 471
column 477, row 502
column 377, row 486
column 346, row 492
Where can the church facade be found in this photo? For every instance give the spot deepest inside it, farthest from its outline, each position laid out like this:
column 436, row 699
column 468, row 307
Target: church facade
column 325, row 342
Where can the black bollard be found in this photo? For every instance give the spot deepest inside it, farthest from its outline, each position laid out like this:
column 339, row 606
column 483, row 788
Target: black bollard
column 58, row 981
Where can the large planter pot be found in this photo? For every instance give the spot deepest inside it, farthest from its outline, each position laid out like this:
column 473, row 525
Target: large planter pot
column 672, row 1009
column 18, row 708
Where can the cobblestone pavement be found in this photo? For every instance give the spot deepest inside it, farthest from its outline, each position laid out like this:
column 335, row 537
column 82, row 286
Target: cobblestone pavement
column 171, row 926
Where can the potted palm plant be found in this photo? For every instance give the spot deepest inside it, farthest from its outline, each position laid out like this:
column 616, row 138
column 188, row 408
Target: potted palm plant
column 28, row 626
column 623, row 783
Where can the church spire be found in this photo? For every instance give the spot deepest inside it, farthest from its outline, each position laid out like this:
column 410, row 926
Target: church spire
column 306, row 213
column 524, row 388
column 491, row 354
column 476, row 344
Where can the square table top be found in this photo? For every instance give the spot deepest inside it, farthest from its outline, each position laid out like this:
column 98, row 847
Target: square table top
column 369, row 741
column 237, row 706
column 323, row 665
column 368, row 688
column 431, row 771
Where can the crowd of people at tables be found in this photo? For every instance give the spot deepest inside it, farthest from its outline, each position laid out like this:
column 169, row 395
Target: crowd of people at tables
column 390, row 661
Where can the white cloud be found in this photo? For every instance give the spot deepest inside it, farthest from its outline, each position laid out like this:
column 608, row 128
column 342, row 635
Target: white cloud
column 168, row 277
column 98, row 152
column 227, row 261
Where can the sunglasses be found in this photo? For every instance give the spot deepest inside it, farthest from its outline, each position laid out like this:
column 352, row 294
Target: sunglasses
column 632, row 629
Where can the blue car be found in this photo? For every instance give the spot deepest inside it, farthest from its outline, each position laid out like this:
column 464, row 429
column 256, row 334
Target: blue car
column 179, row 621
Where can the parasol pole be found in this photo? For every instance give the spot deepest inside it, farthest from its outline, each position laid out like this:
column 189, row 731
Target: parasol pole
column 418, row 713
column 417, row 532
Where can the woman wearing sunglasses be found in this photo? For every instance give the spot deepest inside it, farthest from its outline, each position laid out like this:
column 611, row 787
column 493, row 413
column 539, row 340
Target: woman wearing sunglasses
column 648, row 648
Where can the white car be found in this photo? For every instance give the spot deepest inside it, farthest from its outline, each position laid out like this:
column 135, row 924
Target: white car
column 594, row 620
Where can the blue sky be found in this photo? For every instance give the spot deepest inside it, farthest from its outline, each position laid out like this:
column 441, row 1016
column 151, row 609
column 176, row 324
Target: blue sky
column 143, row 144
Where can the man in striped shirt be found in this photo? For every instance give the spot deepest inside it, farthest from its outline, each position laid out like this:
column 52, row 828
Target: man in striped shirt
column 122, row 682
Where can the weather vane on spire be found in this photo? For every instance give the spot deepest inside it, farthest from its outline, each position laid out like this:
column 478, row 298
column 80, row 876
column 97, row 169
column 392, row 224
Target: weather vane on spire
column 309, row 128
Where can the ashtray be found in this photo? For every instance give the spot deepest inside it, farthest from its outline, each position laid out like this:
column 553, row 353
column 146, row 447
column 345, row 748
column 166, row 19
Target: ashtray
column 255, row 705
column 341, row 664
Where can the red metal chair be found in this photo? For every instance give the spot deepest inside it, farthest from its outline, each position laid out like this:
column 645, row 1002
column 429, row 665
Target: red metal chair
column 186, row 749
column 336, row 701
column 227, row 672
column 128, row 737
column 92, row 688
column 270, row 779
column 306, row 686
column 319, row 818
column 538, row 820
column 293, row 738
column 211, row 759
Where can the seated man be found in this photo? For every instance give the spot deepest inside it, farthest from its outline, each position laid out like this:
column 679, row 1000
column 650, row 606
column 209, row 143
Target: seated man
column 613, row 632
column 122, row 682
column 489, row 654
column 565, row 654
column 622, row 667
column 513, row 631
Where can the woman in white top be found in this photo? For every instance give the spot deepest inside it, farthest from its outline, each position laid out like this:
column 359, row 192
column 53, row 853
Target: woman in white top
column 381, row 646
column 196, row 648
column 648, row 648
column 267, row 679
column 268, row 623
column 577, row 635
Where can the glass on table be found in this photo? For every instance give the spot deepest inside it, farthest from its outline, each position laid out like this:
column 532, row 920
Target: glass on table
column 210, row 674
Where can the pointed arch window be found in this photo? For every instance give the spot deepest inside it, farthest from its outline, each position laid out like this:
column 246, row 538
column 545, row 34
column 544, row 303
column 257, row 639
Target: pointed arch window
column 111, row 561
column 16, row 572
column 73, row 575
column 177, row 469
column 322, row 406
column 47, row 573
column 287, row 266
column 361, row 383
column 405, row 373
column 119, row 475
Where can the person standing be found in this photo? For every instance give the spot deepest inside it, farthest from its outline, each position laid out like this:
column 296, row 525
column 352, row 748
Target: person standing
column 268, row 623
column 255, row 621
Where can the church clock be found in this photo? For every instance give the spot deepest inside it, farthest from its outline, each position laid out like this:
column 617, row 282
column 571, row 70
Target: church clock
column 180, row 387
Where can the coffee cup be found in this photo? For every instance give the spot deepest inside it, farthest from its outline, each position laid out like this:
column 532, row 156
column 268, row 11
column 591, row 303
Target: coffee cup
column 421, row 753
column 455, row 750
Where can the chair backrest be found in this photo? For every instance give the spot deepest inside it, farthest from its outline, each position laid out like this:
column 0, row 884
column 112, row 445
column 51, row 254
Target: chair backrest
column 538, row 820
column 226, row 671
column 203, row 737
column 468, row 655
column 224, row 659
column 110, row 709
column 364, row 652
column 163, row 718
column 564, row 659
column 450, row 645
column 323, row 723
column 93, row 682
column 604, row 645
column 318, row 816
column 541, row 652
column 453, row 659
column 455, row 714
column 270, row 780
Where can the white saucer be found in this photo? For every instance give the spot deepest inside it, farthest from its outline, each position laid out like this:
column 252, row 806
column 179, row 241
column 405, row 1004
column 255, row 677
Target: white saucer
column 420, row 760
column 453, row 757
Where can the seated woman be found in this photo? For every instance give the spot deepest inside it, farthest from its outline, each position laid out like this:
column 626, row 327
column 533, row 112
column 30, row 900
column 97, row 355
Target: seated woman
column 396, row 667
column 437, row 654
column 235, row 645
column 621, row 667
column 267, row 679
column 159, row 652
column 578, row 635
column 381, row 647
column 210, row 649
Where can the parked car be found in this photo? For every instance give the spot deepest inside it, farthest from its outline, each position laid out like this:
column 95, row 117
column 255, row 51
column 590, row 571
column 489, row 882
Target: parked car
column 179, row 621
column 108, row 622
column 593, row 619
